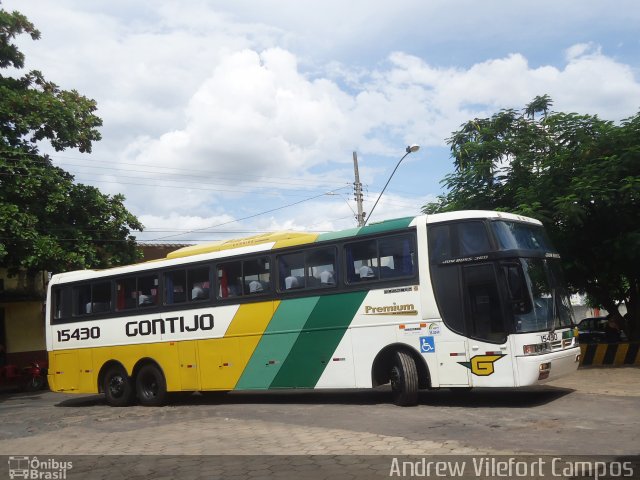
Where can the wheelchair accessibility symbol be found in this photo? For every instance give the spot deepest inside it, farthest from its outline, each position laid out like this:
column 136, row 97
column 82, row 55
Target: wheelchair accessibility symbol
column 427, row 345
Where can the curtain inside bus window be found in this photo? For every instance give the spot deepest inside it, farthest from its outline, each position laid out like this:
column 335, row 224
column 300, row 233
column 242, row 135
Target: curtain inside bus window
column 407, row 257
column 127, row 292
column 351, row 271
column 82, row 300
column 224, row 285
column 58, row 304
column 168, row 289
column 120, row 298
column 232, row 276
column 473, row 238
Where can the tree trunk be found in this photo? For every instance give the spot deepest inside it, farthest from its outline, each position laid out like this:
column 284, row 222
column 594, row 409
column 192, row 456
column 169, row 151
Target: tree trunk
column 633, row 309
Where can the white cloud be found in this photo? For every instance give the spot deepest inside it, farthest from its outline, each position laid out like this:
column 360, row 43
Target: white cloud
column 258, row 115
column 243, row 105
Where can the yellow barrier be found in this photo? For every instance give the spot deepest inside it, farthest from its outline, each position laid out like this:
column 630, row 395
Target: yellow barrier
column 612, row 354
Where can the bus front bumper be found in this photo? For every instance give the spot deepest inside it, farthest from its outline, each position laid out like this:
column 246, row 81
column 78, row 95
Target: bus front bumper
column 537, row 369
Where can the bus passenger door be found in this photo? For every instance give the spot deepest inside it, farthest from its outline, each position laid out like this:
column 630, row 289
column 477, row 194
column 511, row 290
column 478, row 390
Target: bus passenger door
column 489, row 353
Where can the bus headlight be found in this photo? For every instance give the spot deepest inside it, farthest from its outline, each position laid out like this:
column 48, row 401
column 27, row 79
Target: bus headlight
column 545, row 370
column 535, row 348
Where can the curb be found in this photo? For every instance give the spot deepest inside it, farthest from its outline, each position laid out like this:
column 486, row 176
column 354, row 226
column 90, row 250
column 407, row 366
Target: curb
column 611, row 354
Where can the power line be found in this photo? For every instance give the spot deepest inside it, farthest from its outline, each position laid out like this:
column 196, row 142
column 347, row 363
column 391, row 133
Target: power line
column 254, row 215
column 156, row 185
column 192, row 173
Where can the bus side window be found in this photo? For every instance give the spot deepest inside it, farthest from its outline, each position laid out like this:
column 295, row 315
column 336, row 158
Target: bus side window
column 199, row 286
column 256, row 276
column 472, row 238
column 126, row 294
column 291, row 271
column 82, row 300
column 230, row 279
column 101, row 297
column 439, row 243
column 321, row 267
column 147, row 290
column 175, row 287
column 396, row 257
column 362, row 261
column 61, row 302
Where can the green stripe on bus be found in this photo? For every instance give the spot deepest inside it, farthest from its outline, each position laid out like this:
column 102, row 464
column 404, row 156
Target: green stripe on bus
column 320, row 337
column 352, row 232
column 386, row 226
column 276, row 342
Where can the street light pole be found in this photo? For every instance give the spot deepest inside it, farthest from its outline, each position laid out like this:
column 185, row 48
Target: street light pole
column 410, row 149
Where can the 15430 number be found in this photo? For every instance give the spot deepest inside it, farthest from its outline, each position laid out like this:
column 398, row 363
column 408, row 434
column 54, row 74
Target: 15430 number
column 83, row 333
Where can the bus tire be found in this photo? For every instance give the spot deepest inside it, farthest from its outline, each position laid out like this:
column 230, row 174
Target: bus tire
column 151, row 387
column 117, row 387
column 404, row 380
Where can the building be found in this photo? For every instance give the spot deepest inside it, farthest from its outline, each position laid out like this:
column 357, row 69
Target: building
column 22, row 310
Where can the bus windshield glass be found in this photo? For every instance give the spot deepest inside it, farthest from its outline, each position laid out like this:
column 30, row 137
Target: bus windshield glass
column 539, row 296
column 521, row 236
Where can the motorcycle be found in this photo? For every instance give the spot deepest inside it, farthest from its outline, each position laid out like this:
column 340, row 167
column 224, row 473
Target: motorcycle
column 31, row 378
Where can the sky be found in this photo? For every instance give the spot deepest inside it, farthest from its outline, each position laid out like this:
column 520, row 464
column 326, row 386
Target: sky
column 226, row 119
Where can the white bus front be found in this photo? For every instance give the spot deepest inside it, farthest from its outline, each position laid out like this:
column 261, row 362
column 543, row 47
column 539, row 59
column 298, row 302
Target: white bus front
column 502, row 298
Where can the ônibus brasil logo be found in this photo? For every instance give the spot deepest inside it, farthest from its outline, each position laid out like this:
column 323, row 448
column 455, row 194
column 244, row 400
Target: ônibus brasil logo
column 34, row 468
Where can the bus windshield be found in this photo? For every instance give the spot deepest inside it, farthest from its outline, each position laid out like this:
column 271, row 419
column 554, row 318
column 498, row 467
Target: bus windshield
column 521, row 236
column 538, row 295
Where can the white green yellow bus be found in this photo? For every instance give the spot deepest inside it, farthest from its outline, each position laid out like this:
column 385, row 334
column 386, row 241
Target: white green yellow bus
column 457, row 300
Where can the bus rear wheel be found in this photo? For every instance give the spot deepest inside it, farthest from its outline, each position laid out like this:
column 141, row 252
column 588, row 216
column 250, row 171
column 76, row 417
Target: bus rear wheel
column 117, row 387
column 151, row 387
column 404, row 380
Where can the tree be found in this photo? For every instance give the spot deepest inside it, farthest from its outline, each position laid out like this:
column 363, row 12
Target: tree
column 48, row 222
column 578, row 174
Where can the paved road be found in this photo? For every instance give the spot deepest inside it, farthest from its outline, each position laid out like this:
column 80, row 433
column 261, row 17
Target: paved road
column 592, row 412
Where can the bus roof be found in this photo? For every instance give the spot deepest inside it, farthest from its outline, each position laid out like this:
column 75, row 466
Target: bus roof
column 269, row 241
column 289, row 239
column 471, row 214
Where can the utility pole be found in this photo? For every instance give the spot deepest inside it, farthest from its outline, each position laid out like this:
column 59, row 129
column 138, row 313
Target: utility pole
column 357, row 191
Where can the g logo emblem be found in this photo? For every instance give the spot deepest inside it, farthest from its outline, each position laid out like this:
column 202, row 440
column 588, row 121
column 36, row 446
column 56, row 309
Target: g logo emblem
column 482, row 365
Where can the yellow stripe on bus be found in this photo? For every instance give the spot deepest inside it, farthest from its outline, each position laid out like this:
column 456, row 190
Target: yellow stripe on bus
column 222, row 360
column 280, row 239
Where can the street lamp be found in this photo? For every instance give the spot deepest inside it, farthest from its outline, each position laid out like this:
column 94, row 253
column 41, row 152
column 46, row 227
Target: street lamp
column 410, row 149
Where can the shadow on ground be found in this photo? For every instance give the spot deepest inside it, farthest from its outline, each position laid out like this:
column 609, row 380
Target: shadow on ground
column 480, row 398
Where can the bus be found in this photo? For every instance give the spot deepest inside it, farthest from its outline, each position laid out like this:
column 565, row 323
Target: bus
column 451, row 300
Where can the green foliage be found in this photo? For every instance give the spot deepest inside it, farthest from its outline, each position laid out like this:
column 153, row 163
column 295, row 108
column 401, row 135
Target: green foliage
column 48, row 222
column 578, row 174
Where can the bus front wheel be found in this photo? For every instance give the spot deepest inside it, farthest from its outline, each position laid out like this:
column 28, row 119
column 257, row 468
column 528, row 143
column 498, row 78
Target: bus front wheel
column 151, row 386
column 117, row 387
column 404, row 380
